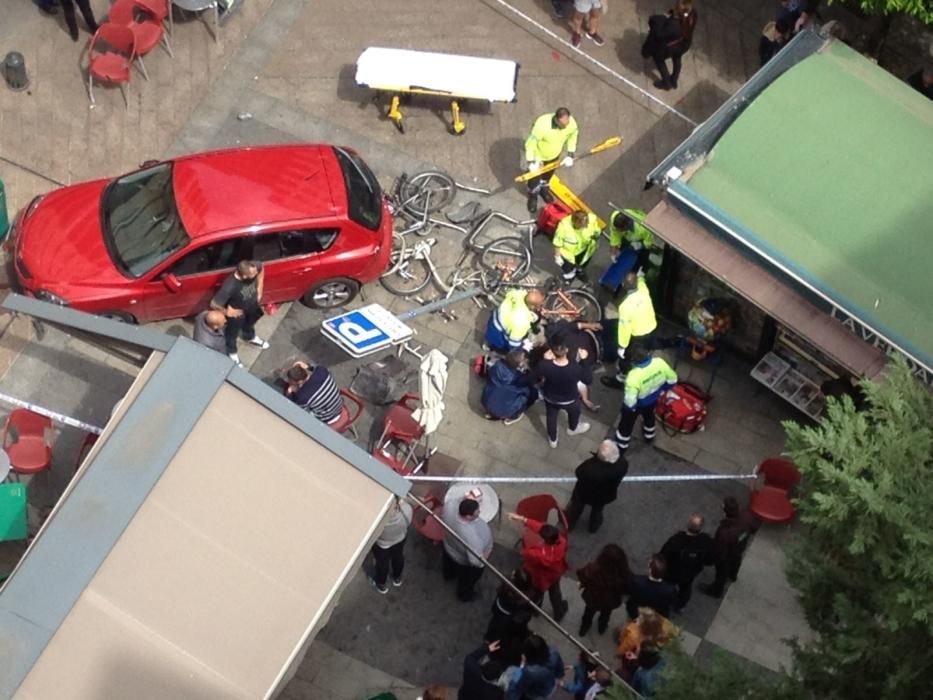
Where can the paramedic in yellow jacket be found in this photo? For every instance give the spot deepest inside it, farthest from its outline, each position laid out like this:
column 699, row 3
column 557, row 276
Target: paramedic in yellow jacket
column 510, row 325
column 550, row 134
column 648, row 377
column 637, row 322
column 575, row 241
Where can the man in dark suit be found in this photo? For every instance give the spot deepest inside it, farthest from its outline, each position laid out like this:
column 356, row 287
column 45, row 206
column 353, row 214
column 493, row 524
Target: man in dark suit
column 686, row 553
column 651, row 591
column 598, row 480
column 729, row 545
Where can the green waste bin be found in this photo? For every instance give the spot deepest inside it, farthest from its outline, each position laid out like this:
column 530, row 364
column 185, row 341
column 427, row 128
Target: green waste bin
column 14, row 524
column 4, row 219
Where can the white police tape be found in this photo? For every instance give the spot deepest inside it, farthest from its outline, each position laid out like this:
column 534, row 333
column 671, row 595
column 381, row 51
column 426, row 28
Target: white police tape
column 57, row 417
column 589, row 58
column 572, row 479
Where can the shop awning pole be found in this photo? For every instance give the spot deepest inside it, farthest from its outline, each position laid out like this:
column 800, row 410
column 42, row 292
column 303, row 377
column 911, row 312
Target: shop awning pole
column 57, row 417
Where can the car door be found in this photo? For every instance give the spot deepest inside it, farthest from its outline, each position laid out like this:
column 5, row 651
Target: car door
column 292, row 260
column 184, row 286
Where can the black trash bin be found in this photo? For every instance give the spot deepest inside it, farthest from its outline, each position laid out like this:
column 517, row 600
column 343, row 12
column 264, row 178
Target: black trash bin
column 14, row 71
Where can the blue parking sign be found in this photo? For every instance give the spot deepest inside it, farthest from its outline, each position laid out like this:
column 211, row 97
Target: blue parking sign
column 366, row 330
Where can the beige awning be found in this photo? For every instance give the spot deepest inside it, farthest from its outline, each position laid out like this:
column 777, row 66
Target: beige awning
column 765, row 290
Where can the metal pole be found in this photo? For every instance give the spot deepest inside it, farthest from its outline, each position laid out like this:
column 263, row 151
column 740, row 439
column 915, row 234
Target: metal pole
column 540, row 611
column 439, row 304
column 572, row 479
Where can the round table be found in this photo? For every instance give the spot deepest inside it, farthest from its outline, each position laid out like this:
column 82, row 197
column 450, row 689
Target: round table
column 488, row 504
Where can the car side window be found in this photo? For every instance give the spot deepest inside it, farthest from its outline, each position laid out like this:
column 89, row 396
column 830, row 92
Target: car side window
column 215, row 256
column 287, row 244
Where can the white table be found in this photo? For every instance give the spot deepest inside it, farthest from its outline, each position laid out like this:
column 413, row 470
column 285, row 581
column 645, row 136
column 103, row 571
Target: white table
column 488, row 504
column 196, row 6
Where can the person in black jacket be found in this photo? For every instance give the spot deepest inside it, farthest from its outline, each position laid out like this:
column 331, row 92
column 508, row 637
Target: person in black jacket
column 598, row 480
column 560, row 376
column 651, row 591
column 670, row 37
column 481, row 675
column 729, row 545
column 686, row 553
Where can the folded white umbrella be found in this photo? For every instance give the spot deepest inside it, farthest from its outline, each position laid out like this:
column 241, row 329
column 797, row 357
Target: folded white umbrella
column 433, row 382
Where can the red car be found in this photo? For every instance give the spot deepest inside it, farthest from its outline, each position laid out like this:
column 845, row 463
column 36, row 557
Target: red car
column 158, row 242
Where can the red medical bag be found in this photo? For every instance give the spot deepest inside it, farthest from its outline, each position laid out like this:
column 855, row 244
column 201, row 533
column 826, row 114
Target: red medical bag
column 683, row 407
column 550, row 216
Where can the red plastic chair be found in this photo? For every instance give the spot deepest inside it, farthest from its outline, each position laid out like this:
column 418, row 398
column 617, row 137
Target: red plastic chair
column 402, row 467
column 144, row 24
column 348, row 416
column 110, row 54
column 428, row 525
column 399, row 426
column 772, row 502
column 539, row 508
column 159, row 9
column 27, row 441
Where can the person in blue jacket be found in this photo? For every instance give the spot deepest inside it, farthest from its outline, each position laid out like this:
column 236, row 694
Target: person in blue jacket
column 508, row 392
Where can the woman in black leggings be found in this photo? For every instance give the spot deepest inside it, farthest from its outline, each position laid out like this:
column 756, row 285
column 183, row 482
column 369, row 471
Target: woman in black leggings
column 559, row 376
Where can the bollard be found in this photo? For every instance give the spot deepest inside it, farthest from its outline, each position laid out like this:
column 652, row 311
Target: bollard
column 14, row 71
column 4, row 219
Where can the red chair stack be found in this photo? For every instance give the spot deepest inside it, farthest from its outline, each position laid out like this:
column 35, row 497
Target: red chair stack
column 110, row 54
column 139, row 18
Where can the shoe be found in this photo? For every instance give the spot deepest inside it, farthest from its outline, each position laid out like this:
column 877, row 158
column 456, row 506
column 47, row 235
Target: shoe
column 596, row 38
column 552, row 444
column 379, row 589
column 485, row 347
column 259, row 342
column 602, row 628
column 74, row 33
column 558, row 8
column 397, row 582
column 673, row 82
column 532, row 203
column 513, row 421
column 662, row 85
column 559, row 614
column 575, row 39
column 581, row 428
column 235, row 357
column 612, row 382
column 584, row 628
column 707, row 589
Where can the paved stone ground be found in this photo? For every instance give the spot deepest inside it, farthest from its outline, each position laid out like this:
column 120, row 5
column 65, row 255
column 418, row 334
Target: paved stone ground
column 290, row 64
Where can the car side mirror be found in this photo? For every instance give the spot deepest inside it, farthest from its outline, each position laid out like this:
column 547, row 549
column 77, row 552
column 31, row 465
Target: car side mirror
column 171, row 282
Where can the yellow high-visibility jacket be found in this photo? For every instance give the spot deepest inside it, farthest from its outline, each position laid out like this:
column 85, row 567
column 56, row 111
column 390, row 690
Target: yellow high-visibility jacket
column 636, row 314
column 570, row 241
column 644, row 382
column 639, row 233
column 547, row 141
column 514, row 318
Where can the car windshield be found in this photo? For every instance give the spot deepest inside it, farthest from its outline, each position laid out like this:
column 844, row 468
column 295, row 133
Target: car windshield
column 364, row 197
column 141, row 222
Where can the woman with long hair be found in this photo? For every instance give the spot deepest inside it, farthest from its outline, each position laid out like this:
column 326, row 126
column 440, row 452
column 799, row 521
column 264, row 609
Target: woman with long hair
column 603, row 582
column 670, row 37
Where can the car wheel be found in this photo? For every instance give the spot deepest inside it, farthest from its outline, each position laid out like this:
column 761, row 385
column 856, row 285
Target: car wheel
column 329, row 294
column 120, row 316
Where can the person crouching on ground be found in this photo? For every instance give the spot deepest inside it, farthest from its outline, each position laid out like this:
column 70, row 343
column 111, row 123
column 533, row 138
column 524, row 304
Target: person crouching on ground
column 314, row 389
column 511, row 325
column 508, row 392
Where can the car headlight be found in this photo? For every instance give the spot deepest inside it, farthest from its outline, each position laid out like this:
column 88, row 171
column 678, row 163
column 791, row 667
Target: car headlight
column 43, row 295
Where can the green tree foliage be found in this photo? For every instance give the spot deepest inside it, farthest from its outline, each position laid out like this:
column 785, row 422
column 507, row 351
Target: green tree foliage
column 863, row 563
column 921, row 9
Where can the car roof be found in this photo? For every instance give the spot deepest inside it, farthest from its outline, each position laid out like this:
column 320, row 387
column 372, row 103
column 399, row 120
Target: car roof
column 257, row 186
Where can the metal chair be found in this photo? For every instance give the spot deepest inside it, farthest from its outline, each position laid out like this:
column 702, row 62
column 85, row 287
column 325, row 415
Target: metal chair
column 110, row 54
column 539, row 508
column 347, row 416
column 771, row 502
column 27, row 441
column 399, row 426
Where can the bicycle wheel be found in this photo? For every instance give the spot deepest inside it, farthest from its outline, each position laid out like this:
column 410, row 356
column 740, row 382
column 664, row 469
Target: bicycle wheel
column 508, row 256
column 398, row 254
column 409, row 277
column 427, row 192
column 573, row 305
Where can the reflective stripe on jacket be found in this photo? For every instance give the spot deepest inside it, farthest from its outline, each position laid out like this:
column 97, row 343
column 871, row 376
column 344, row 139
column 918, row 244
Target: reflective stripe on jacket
column 639, row 232
column 546, row 141
column 636, row 314
column 570, row 241
column 645, row 381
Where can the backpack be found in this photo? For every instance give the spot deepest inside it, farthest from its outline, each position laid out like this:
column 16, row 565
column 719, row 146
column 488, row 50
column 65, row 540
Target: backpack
column 682, row 408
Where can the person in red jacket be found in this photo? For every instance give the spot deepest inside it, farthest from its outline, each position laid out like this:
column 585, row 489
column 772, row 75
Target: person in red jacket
column 545, row 563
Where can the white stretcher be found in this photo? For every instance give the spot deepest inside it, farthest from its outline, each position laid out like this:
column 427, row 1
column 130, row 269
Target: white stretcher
column 402, row 71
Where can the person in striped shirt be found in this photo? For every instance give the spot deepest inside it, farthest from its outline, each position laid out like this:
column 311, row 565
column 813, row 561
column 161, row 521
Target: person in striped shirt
column 313, row 388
